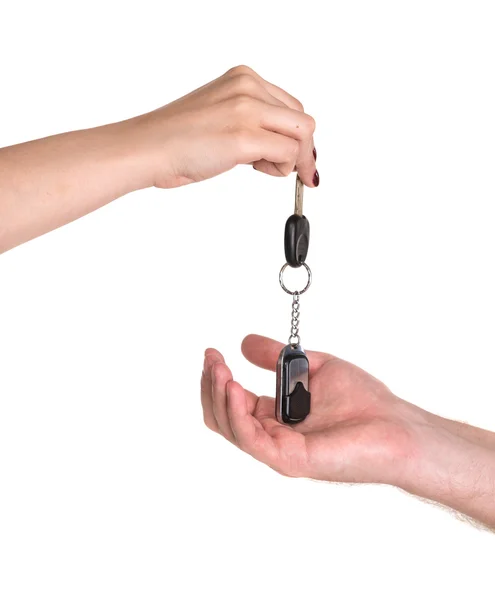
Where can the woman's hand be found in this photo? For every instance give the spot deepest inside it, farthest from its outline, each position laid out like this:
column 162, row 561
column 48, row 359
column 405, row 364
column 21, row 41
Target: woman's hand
column 236, row 119
column 357, row 431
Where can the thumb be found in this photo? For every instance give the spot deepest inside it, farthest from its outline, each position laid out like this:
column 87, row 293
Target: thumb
column 264, row 352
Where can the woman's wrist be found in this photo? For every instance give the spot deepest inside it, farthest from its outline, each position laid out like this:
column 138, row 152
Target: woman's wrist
column 126, row 155
column 48, row 182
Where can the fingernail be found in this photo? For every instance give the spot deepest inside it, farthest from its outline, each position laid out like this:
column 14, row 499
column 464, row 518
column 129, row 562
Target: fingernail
column 314, row 153
column 316, row 179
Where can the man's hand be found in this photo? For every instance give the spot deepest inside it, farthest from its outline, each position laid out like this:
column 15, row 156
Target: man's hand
column 357, row 431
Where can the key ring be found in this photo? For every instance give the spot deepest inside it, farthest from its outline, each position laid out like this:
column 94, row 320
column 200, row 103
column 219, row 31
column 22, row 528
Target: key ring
column 281, row 279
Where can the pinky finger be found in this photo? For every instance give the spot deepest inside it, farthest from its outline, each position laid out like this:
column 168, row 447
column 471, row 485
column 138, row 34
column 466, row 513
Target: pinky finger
column 262, row 145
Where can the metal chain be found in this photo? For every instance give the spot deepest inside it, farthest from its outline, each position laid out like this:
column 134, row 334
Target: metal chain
column 294, row 339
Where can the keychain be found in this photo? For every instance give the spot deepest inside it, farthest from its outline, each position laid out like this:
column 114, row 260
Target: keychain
column 293, row 397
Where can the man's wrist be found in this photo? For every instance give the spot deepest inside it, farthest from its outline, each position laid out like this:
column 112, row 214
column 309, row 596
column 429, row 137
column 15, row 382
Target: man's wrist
column 451, row 469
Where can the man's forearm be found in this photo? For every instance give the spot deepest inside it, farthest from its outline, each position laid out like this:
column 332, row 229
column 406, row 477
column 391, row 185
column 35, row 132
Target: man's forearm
column 470, row 433
column 52, row 181
column 455, row 466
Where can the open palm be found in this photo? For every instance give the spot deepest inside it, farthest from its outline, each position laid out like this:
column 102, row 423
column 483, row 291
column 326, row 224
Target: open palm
column 356, row 431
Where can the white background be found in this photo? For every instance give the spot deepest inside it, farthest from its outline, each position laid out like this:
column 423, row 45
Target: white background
column 110, row 485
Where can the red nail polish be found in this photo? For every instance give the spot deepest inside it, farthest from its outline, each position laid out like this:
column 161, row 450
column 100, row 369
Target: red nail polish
column 316, row 179
column 314, row 153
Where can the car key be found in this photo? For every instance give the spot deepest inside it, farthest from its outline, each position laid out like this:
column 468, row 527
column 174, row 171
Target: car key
column 293, row 398
column 296, row 238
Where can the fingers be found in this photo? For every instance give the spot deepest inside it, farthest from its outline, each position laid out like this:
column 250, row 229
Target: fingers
column 255, row 145
column 287, row 121
column 229, row 410
column 249, row 434
column 264, row 352
column 305, row 164
column 261, row 351
column 220, row 377
column 214, row 381
column 231, row 414
column 306, row 160
column 243, row 83
column 300, row 126
column 211, row 356
column 269, row 168
column 292, row 130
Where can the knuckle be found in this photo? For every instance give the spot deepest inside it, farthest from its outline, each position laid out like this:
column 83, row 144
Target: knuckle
column 285, row 170
column 242, row 104
column 240, row 70
column 309, row 124
column 244, row 83
column 298, row 105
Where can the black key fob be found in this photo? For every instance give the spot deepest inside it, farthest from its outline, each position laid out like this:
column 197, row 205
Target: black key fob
column 293, row 398
column 296, row 240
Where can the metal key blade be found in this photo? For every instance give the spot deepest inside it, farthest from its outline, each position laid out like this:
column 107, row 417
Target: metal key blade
column 298, row 209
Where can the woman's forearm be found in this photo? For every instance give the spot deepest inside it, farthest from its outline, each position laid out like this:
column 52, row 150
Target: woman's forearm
column 48, row 182
column 239, row 118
